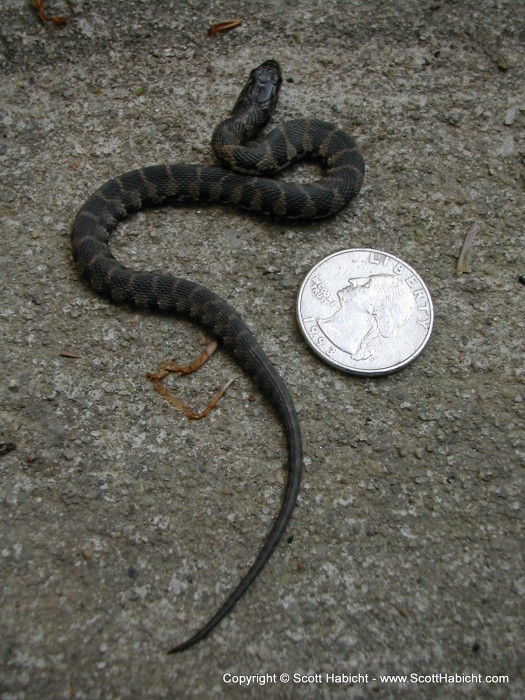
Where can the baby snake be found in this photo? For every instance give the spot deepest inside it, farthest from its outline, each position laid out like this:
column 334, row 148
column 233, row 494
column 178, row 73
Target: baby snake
column 253, row 190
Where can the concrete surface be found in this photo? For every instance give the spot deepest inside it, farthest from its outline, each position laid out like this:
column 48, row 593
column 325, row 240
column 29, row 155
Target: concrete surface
column 123, row 525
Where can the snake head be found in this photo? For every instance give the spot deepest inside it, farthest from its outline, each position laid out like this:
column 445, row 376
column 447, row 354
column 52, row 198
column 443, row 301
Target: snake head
column 262, row 89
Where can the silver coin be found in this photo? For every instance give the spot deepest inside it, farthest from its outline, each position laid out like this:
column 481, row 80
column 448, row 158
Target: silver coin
column 365, row 311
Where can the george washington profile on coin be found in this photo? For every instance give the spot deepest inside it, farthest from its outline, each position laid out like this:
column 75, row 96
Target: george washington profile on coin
column 370, row 307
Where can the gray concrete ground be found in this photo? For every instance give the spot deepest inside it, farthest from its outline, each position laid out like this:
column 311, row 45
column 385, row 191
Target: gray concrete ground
column 123, row 525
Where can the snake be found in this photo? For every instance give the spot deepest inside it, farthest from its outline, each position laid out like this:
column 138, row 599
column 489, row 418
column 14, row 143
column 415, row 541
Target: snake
column 243, row 178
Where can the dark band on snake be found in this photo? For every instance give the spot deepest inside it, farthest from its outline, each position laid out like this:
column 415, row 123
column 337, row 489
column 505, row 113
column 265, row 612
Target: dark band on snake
column 250, row 188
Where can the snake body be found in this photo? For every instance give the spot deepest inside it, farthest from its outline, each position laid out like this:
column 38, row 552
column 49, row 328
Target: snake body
column 253, row 190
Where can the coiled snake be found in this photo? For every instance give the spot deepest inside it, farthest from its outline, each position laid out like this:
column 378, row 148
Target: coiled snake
column 253, row 190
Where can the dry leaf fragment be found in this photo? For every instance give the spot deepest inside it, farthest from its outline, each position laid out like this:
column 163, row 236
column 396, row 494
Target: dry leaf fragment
column 463, row 264
column 224, row 26
column 39, row 7
column 68, row 353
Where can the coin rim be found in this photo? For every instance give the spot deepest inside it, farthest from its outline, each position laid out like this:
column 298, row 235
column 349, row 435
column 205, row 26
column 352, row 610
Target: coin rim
column 365, row 372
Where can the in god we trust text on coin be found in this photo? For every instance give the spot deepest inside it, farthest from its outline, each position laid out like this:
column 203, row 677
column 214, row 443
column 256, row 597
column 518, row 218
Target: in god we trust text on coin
column 365, row 311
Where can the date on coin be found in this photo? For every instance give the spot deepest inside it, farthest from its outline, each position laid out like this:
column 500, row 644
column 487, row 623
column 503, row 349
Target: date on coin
column 365, row 311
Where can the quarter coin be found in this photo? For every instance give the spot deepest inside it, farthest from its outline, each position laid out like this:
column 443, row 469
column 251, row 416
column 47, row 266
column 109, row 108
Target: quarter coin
column 365, row 311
